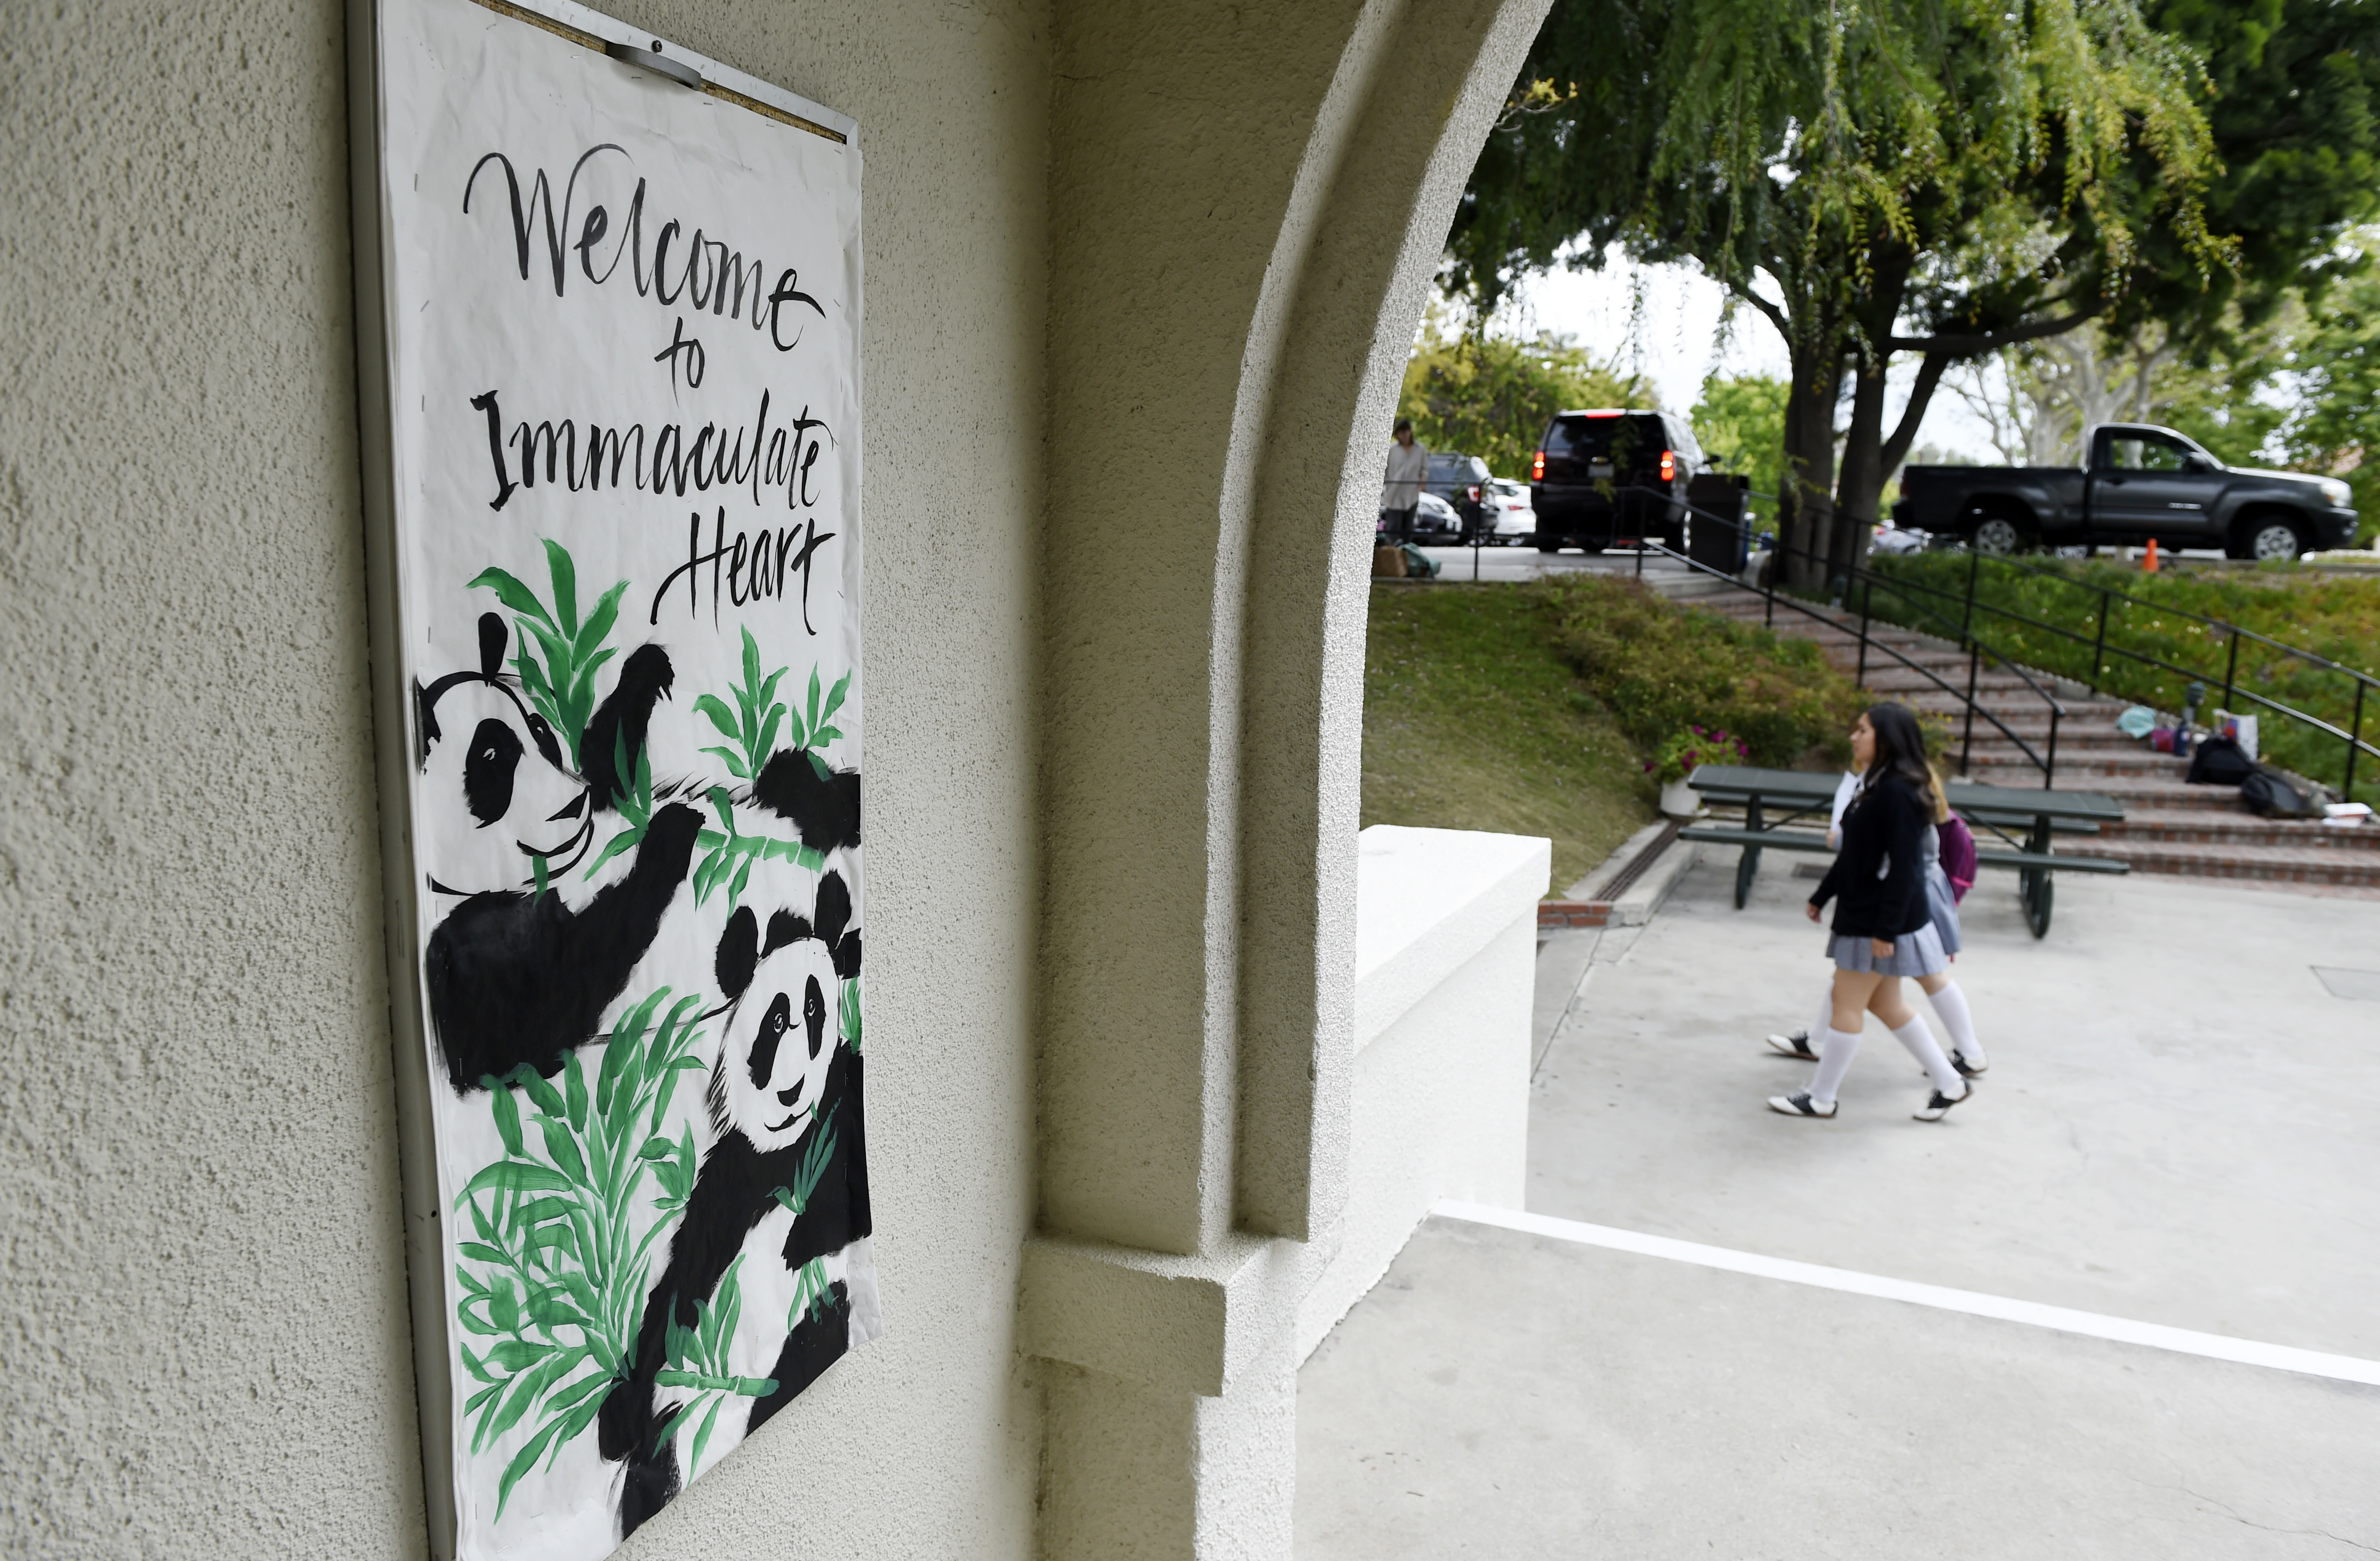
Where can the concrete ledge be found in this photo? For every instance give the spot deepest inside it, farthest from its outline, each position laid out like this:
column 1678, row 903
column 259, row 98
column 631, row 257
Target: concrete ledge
column 1588, row 903
column 1591, row 887
column 1645, row 895
column 1180, row 1323
column 1428, row 900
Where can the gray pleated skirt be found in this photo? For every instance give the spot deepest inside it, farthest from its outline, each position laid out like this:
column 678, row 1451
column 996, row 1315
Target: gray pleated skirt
column 1945, row 906
column 1918, row 953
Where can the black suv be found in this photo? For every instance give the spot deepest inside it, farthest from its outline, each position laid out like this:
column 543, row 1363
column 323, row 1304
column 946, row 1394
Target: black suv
column 1606, row 477
column 1460, row 480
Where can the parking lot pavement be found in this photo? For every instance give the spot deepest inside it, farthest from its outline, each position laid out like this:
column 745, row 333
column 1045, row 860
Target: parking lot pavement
column 2181, row 1126
column 1506, row 1395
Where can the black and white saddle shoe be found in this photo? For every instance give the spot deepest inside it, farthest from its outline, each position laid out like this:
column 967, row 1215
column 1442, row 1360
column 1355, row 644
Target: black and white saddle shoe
column 1938, row 1105
column 1968, row 1070
column 1795, row 1045
column 1798, row 1104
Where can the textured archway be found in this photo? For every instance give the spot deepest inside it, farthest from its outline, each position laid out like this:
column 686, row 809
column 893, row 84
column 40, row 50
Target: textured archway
column 1247, row 203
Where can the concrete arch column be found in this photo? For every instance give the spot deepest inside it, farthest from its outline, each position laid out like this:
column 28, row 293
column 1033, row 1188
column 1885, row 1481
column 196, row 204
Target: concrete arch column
column 1247, row 203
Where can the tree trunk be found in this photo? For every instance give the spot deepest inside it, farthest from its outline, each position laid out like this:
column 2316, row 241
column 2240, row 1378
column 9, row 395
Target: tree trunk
column 1860, row 482
column 1806, row 481
column 1861, row 485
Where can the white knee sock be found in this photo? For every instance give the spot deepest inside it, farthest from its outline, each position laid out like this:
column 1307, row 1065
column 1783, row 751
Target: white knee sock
column 1921, row 1044
column 1826, row 1020
column 1836, row 1049
column 1950, row 1007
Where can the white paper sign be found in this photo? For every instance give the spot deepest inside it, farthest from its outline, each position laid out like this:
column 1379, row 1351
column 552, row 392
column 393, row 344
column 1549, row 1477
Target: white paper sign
column 623, row 339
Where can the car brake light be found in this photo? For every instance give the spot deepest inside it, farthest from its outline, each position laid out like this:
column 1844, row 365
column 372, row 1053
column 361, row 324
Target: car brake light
column 1668, row 466
column 1537, row 468
column 1474, row 491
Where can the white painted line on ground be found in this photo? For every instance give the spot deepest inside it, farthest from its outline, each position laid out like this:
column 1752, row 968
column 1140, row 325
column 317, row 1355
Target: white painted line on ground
column 2090, row 1325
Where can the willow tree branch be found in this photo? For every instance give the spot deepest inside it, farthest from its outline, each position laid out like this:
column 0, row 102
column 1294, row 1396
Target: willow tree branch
column 1992, row 340
column 1921, row 394
column 1775, row 316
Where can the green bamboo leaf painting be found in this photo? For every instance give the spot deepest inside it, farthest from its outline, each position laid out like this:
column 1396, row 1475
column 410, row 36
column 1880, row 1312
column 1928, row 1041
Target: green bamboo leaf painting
column 523, row 1461
column 507, row 1114
column 561, row 686
column 513, row 1176
column 565, row 587
column 591, row 634
column 555, row 1282
column 512, row 593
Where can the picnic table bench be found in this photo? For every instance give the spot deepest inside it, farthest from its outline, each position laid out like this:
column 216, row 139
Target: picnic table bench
column 1994, row 810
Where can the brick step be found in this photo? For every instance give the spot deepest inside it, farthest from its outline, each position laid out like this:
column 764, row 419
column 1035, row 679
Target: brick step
column 2171, row 828
column 1897, row 679
column 1990, row 739
column 2271, row 864
column 2028, row 714
column 2085, row 762
column 2180, row 826
column 2141, row 792
column 2083, row 719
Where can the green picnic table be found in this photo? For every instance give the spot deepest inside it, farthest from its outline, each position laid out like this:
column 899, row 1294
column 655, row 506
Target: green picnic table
column 1801, row 795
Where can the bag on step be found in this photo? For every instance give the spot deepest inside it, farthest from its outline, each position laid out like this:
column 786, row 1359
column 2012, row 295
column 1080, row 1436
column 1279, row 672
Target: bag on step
column 2267, row 795
column 2219, row 762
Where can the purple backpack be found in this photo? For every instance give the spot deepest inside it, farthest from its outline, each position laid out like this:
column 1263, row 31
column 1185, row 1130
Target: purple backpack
column 1958, row 847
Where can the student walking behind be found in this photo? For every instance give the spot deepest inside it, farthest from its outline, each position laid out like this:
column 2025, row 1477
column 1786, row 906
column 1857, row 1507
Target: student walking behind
column 1949, row 873
column 1883, row 926
column 1401, row 489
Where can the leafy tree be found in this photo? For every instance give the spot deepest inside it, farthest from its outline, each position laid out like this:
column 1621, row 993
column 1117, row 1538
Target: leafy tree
column 1487, row 395
column 1939, row 180
column 2334, row 426
column 2293, row 116
column 1739, row 421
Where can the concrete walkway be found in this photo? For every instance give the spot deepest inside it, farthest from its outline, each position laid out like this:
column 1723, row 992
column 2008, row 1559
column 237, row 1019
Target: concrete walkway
column 2181, row 1126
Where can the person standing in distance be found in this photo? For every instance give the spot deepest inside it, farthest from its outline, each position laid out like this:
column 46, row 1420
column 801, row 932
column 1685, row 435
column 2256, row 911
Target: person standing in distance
column 1401, row 493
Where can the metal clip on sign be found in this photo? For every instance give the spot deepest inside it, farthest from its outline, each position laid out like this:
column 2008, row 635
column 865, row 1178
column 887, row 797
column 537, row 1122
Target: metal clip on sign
column 650, row 59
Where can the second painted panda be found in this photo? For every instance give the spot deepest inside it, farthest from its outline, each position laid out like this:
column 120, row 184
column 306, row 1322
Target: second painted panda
column 785, row 1184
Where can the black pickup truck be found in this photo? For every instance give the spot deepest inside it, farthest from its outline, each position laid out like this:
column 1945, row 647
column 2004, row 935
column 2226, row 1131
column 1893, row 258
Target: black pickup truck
column 2143, row 481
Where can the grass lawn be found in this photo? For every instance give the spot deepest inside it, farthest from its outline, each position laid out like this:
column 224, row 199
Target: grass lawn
column 1474, row 721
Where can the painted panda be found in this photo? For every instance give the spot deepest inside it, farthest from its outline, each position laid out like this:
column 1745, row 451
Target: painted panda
column 515, row 974
column 821, row 802
column 784, row 1077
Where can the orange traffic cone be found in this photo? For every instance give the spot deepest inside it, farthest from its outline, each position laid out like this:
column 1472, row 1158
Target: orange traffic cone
column 2149, row 564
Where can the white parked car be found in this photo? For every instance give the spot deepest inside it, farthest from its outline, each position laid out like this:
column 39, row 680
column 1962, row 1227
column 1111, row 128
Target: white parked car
column 1890, row 539
column 1511, row 520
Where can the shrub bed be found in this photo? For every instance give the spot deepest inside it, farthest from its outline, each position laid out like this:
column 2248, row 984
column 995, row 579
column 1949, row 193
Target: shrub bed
column 1659, row 667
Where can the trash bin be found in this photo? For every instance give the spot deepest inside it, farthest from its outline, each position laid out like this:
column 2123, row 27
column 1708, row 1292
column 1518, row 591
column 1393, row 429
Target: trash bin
column 1718, row 530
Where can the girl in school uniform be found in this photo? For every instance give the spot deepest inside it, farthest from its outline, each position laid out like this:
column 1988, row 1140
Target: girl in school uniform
column 1883, row 926
column 1949, row 873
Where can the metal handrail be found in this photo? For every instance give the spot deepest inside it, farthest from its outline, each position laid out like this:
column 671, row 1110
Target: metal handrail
column 2324, row 662
column 1976, row 650
column 2351, row 735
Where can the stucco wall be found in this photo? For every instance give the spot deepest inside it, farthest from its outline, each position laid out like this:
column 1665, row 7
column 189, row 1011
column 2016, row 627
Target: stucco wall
column 1446, row 944
column 203, row 1330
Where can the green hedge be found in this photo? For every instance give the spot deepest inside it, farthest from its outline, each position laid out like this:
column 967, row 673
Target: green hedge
column 2334, row 617
column 1658, row 667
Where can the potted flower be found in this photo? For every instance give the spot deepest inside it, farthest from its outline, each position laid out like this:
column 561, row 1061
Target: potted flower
column 1677, row 758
